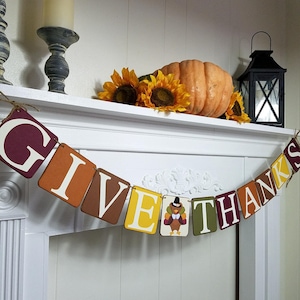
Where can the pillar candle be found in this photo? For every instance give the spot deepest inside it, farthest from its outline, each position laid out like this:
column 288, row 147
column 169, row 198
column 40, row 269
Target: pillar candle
column 59, row 13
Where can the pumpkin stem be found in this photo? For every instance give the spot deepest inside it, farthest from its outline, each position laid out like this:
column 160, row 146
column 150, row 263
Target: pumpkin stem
column 125, row 94
column 162, row 97
column 143, row 77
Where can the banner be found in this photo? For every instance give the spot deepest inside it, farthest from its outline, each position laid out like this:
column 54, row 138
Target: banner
column 25, row 143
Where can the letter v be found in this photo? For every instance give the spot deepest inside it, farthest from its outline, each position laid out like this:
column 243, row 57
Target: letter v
column 103, row 208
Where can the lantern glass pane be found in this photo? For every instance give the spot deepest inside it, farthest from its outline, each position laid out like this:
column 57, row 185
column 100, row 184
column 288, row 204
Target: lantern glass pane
column 267, row 100
column 244, row 89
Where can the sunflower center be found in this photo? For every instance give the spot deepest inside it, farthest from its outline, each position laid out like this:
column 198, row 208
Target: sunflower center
column 162, row 97
column 125, row 94
column 237, row 109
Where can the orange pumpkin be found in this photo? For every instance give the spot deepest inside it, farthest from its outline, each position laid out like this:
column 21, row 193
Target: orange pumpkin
column 210, row 87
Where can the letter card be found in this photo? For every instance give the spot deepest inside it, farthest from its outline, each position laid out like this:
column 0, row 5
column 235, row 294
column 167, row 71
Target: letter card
column 292, row 153
column 204, row 215
column 105, row 197
column 265, row 186
column 143, row 210
column 175, row 216
column 227, row 209
column 68, row 175
column 249, row 199
column 24, row 142
column 280, row 170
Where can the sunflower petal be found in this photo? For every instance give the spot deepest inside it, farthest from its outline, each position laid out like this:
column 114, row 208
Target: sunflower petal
column 116, row 78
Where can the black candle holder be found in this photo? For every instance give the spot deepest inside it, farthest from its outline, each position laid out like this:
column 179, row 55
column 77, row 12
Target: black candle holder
column 58, row 39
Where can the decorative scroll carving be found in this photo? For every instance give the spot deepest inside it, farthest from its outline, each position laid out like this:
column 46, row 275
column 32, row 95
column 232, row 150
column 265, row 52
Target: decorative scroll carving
column 181, row 181
column 9, row 195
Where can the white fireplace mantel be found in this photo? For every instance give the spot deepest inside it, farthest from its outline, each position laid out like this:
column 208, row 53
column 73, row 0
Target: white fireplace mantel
column 115, row 135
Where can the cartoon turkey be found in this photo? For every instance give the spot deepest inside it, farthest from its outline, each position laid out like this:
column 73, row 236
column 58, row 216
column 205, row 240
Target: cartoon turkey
column 175, row 216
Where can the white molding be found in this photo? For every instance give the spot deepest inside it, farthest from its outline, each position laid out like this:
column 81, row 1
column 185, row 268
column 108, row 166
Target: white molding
column 11, row 258
column 181, row 181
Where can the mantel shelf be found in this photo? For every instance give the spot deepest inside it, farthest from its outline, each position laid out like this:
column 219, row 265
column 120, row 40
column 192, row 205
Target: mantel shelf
column 66, row 104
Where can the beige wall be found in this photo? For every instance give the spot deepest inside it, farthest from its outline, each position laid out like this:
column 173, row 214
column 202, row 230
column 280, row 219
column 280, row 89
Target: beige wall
column 291, row 207
column 117, row 33
column 145, row 35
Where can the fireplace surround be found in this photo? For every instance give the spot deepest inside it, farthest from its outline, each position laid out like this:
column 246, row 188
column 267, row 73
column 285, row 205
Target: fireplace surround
column 138, row 144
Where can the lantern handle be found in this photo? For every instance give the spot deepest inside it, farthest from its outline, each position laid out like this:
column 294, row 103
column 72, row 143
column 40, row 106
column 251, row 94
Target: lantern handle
column 256, row 34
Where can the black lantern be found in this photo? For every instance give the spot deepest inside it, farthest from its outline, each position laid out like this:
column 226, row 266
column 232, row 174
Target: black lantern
column 262, row 88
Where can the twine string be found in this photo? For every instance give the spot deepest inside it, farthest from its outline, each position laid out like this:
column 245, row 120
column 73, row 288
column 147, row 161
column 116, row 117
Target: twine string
column 297, row 132
column 16, row 105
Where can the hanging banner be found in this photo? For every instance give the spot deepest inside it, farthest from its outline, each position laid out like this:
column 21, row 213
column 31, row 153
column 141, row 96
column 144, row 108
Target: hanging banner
column 25, row 143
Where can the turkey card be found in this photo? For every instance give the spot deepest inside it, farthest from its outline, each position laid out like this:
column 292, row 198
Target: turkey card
column 175, row 216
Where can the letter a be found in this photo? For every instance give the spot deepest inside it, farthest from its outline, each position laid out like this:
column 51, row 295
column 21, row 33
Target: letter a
column 249, row 199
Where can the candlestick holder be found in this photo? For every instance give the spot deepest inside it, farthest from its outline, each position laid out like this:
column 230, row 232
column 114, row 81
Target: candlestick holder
column 58, row 39
column 4, row 43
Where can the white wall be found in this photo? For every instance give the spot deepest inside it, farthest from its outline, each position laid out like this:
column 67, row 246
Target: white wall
column 144, row 35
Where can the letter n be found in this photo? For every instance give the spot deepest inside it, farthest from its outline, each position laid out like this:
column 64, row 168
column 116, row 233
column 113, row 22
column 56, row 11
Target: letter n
column 265, row 186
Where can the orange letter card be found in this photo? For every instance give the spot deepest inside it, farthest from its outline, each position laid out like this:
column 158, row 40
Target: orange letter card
column 105, row 197
column 68, row 175
column 24, row 142
column 143, row 210
column 249, row 199
column 175, row 216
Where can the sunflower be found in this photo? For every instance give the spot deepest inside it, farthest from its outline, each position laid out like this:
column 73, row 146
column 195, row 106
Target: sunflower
column 122, row 89
column 163, row 93
column 236, row 110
